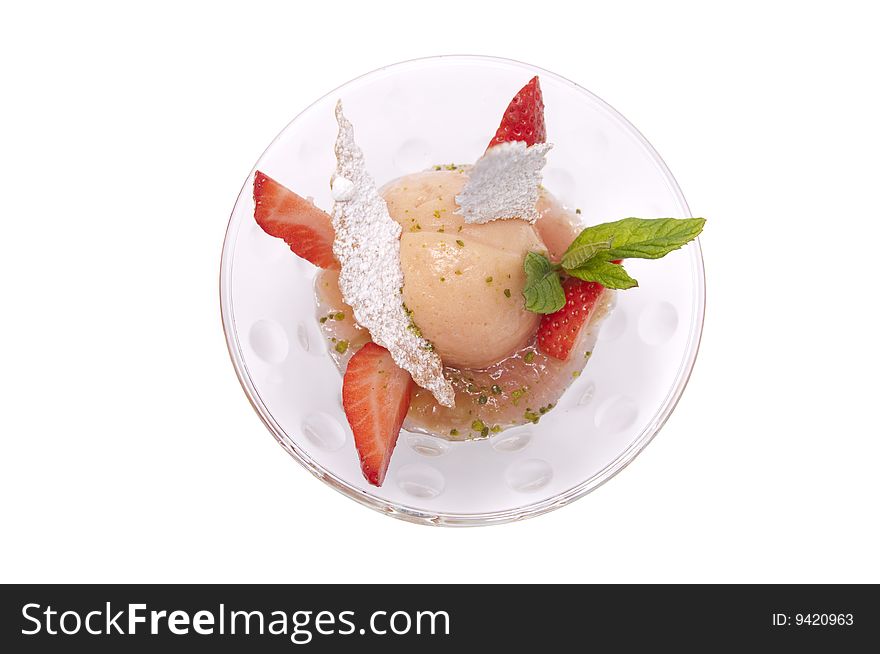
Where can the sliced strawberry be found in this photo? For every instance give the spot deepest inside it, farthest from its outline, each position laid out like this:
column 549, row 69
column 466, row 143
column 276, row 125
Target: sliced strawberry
column 284, row 214
column 558, row 332
column 524, row 118
column 375, row 396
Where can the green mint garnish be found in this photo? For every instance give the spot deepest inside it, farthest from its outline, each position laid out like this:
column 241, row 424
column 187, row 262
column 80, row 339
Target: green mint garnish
column 591, row 254
column 579, row 254
column 543, row 290
column 608, row 274
column 641, row 238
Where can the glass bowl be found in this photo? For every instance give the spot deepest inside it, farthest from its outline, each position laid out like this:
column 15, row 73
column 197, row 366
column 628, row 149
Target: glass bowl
column 408, row 117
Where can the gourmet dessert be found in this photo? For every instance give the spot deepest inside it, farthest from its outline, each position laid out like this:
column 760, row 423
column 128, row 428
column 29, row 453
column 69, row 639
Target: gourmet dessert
column 460, row 300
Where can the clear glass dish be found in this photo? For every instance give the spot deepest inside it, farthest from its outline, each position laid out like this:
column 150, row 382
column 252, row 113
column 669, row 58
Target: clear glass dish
column 408, row 117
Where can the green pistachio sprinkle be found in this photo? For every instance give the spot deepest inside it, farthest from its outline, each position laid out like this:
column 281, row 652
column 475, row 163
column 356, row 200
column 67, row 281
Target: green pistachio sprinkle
column 438, row 167
column 442, row 279
column 495, row 429
column 459, row 227
column 457, row 272
column 482, row 399
column 496, row 389
column 587, row 354
column 453, row 432
column 529, row 356
column 577, row 211
column 459, row 242
column 489, row 279
column 484, row 432
column 477, row 425
column 341, row 347
column 576, row 374
column 506, row 292
column 442, row 229
column 531, row 416
column 471, row 388
column 437, row 213
column 518, row 393
column 323, row 320
column 339, row 315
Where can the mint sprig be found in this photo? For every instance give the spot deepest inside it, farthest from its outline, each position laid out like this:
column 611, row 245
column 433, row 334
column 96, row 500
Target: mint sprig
column 590, row 256
column 579, row 253
column 610, row 275
column 543, row 290
column 640, row 238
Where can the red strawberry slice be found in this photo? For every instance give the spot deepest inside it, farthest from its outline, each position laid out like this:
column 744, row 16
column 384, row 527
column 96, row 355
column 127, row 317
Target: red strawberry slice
column 524, row 118
column 284, row 214
column 375, row 396
column 558, row 332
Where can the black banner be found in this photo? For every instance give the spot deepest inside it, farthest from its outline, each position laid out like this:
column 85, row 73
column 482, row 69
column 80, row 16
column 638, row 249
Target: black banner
column 318, row 618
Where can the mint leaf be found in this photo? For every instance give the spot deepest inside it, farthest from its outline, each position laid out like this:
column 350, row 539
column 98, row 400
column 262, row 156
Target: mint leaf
column 543, row 290
column 639, row 238
column 610, row 275
column 579, row 253
column 590, row 255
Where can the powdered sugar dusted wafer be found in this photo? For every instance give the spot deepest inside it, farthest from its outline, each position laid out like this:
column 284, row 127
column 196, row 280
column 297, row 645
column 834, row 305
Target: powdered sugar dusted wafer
column 504, row 183
column 367, row 245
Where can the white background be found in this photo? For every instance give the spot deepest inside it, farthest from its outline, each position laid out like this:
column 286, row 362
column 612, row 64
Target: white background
column 130, row 452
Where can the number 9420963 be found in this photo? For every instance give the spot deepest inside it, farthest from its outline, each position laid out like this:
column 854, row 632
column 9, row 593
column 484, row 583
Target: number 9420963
column 823, row 619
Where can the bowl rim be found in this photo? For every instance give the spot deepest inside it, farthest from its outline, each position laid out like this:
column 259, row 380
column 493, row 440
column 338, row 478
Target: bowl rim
column 439, row 518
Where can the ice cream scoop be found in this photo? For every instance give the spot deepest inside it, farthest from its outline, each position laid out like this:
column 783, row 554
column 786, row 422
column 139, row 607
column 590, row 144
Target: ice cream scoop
column 462, row 283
